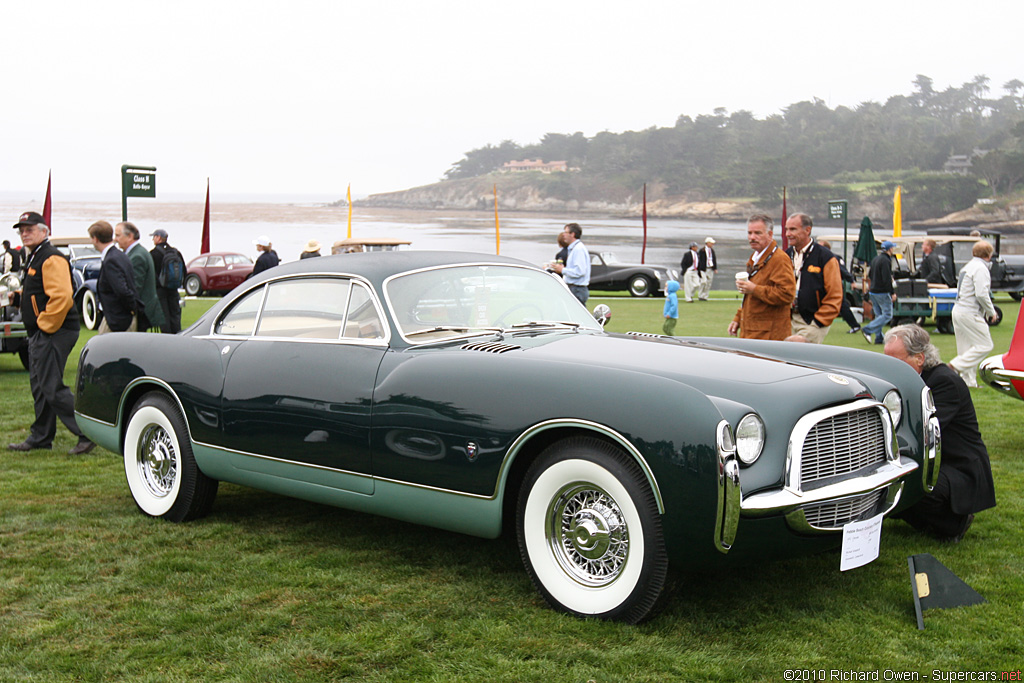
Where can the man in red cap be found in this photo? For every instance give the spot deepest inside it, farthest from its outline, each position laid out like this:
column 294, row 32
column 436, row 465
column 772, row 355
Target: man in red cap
column 48, row 310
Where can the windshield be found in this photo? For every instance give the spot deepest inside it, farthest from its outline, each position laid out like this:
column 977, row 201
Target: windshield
column 458, row 300
column 609, row 258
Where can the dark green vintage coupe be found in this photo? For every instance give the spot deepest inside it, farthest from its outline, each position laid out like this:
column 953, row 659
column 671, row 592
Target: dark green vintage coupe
column 474, row 393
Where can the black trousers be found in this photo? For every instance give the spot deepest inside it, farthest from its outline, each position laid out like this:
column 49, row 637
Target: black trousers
column 172, row 310
column 933, row 514
column 48, row 354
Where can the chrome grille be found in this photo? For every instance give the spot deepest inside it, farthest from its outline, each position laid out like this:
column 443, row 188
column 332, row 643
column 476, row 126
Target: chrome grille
column 834, row 514
column 841, row 444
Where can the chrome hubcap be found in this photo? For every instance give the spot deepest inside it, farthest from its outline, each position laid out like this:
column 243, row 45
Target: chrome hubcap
column 158, row 468
column 587, row 534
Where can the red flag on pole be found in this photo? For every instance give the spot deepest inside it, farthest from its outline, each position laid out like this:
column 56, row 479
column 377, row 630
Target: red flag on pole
column 46, row 203
column 785, row 242
column 643, row 252
column 205, row 248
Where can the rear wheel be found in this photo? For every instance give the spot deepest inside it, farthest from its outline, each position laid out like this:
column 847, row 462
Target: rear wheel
column 640, row 286
column 162, row 473
column 193, row 286
column 944, row 325
column 91, row 314
column 1017, row 296
column 589, row 532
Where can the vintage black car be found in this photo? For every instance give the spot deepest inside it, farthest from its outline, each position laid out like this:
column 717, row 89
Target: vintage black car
column 474, row 393
column 608, row 275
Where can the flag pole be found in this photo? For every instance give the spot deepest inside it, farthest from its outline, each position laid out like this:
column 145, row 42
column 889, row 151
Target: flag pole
column 785, row 242
column 348, row 198
column 643, row 251
column 497, row 225
column 47, row 206
column 897, row 212
column 204, row 248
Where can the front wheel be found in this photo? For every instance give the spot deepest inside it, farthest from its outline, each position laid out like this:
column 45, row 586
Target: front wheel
column 640, row 286
column 162, row 473
column 193, row 286
column 589, row 532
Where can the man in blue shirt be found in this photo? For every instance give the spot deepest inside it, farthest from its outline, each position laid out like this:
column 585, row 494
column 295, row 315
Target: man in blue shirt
column 576, row 271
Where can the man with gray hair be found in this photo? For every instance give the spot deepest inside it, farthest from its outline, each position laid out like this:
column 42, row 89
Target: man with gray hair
column 964, row 485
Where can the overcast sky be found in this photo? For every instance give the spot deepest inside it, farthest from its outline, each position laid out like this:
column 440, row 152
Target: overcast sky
column 307, row 96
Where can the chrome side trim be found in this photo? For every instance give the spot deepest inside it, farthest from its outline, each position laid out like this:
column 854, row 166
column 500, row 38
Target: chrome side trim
column 932, row 441
column 727, row 513
column 513, row 451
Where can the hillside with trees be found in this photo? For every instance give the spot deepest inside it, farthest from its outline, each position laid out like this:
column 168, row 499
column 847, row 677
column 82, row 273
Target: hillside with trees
column 817, row 152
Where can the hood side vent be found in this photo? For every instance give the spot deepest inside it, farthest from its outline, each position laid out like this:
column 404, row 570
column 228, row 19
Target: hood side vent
column 490, row 347
column 647, row 334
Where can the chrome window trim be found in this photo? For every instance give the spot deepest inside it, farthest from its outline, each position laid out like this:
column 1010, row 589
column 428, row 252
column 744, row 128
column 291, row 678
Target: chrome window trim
column 932, row 457
column 448, row 266
column 210, row 331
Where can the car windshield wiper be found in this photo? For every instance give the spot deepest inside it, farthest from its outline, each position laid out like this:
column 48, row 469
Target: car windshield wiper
column 544, row 323
column 454, row 328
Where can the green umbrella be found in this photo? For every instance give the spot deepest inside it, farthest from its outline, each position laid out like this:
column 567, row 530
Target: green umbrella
column 865, row 242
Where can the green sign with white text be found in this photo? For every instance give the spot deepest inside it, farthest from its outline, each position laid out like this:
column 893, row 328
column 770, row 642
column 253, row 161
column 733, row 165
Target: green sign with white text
column 137, row 184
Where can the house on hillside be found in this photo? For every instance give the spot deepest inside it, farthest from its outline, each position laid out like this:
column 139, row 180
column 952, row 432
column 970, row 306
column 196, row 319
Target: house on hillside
column 535, row 165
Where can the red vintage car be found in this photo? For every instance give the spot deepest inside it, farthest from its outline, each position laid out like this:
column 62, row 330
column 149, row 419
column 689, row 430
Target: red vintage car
column 1005, row 373
column 216, row 272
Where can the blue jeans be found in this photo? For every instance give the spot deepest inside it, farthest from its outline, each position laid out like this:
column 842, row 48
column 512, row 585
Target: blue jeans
column 881, row 304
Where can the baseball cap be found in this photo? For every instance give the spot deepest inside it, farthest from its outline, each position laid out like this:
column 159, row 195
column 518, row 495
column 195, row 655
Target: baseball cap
column 888, row 245
column 29, row 218
column 709, row 240
column 262, row 241
column 160, row 232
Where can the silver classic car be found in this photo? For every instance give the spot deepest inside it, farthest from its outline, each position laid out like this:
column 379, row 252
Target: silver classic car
column 474, row 393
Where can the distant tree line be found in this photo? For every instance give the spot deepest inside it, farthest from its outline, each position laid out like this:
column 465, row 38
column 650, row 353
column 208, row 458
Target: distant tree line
column 808, row 147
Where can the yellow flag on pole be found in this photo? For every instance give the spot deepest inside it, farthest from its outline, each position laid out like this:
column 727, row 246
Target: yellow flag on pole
column 897, row 212
column 349, row 199
column 497, row 226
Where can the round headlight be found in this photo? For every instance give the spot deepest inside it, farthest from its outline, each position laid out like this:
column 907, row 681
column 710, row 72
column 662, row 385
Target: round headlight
column 749, row 438
column 893, row 402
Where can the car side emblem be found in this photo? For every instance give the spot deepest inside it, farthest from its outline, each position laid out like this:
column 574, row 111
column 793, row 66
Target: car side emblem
column 839, row 379
column 472, row 450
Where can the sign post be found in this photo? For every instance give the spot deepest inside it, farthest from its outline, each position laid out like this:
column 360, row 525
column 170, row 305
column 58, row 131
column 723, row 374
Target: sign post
column 136, row 181
column 837, row 210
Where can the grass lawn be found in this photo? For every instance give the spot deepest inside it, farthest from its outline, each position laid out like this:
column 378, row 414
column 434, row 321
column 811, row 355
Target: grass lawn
column 272, row 589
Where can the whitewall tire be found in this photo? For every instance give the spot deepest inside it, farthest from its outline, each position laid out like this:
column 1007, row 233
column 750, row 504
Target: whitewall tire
column 589, row 532
column 161, row 471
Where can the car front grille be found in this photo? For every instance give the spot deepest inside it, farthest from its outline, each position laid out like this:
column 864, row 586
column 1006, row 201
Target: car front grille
column 842, row 444
column 835, row 514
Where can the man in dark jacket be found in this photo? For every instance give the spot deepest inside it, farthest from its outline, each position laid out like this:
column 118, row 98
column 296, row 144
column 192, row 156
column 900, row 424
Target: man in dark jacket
column 881, row 293
column 819, row 285
column 115, row 286
column 168, row 296
column 48, row 310
column 964, row 485
column 267, row 259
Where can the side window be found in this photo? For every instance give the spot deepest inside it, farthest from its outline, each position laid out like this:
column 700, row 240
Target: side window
column 215, row 261
column 307, row 308
column 198, row 263
column 237, row 259
column 363, row 322
column 241, row 319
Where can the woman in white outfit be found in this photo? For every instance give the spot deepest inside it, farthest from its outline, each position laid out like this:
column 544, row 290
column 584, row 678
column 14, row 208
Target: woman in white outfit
column 971, row 313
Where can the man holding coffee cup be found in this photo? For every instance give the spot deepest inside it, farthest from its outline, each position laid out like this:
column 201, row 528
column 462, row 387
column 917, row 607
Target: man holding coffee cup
column 768, row 286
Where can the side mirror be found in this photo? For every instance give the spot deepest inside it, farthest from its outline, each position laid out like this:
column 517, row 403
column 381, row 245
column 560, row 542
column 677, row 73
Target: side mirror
column 602, row 314
column 8, row 283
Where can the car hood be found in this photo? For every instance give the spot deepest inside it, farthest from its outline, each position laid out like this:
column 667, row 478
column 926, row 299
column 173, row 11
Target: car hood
column 702, row 365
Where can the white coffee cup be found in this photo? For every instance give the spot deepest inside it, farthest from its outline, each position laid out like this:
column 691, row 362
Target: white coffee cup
column 742, row 276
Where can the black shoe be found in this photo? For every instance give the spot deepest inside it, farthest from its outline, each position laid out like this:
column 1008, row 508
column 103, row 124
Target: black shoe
column 26, row 446
column 82, row 448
